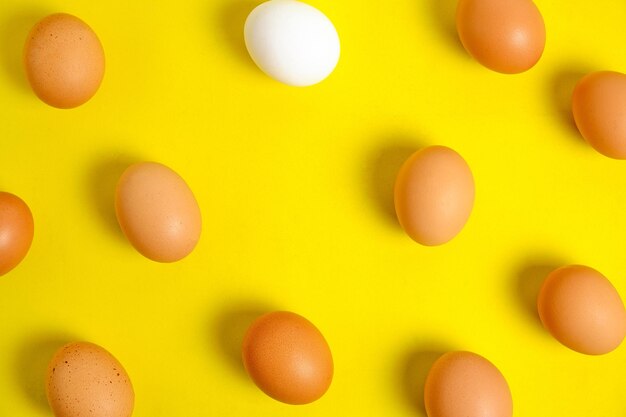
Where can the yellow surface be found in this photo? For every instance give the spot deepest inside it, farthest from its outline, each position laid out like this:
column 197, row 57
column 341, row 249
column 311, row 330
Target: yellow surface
column 295, row 187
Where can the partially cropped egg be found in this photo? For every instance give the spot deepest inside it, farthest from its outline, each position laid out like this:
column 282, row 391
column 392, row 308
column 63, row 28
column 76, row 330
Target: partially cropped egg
column 16, row 231
column 434, row 195
column 157, row 212
column 64, row 61
column 292, row 42
column 464, row 384
column 582, row 310
column 288, row 358
column 85, row 380
column 507, row 36
column 599, row 107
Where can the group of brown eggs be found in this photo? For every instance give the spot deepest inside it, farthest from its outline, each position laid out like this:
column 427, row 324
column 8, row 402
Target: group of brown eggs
column 284, row 353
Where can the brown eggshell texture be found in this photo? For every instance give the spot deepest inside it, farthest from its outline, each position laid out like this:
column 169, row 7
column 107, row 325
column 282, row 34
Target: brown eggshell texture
column 157, row 212
column 16, row 231
column 288, row 358
column 84, row 380
column 64, row 61
column 507, row 36
column 434, row 195
column 582, row 310
column 464, row 384
column 599, row 108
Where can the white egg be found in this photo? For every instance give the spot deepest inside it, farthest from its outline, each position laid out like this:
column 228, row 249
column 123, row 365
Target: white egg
column 292, row 42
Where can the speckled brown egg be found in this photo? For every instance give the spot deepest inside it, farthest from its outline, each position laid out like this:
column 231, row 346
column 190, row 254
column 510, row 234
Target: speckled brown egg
column 288, row 358
column 582, row 310
column 157, row 212
column 464, row 384
column 84, row 380
column 64, row 61
column 16, row 231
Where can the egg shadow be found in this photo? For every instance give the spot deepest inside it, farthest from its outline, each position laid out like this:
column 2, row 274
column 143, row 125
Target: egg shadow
column 529, row 280
column 414, row 369
column 101, row 185
column 443, row 12
column 232, row 19
column 382, row 169
column 562, row 87
column 230, row 327
column 13, row 35
column 31, row 364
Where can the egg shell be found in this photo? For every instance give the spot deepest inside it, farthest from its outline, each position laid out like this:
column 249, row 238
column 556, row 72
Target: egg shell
column 288, row 358
column 582, row 310
column 599, row 108
column 157, row 212
column 16, row 231
column 464, row 384
column 64, row 61
column 84, row 379
column 434, row 195
column 507, row 36
column 292, row 42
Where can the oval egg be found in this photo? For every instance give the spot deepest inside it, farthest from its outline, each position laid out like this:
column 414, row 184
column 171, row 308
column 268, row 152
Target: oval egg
column 288, row 358
column 599, row 108
column 434, row 195
column 16, row 231
column 64, row 61
column 83, row 379
column 582, row 310
column 506, row 36
column 464, row 384
column 292, row 42
column 157, row 212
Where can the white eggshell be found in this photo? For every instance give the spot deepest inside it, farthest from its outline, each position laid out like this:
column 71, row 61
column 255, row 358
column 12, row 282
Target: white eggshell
column 292, row 42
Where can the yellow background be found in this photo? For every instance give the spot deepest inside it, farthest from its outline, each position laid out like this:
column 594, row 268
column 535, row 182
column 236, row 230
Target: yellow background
column 295, row 187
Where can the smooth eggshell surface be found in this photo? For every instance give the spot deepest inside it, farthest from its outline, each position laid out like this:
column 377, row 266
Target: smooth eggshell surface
column 16, row 231
column 464, row 384
column 157, row 212
column 292, row 42
column 434, row 195
column 582, row 310
column 288, row 358
column 84, row 380
column 599, row 108
column 64, row 61
column 507, row 36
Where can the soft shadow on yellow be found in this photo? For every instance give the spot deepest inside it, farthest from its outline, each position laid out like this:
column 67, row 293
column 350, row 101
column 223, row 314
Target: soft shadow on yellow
column 101, row 185
column 382, row 169
column 529, row 279
column 13, row 34
column 31, row 365
column 230, row 328
column 444, row 16
column 562, row 87
column 415, row 367
column 233, row 17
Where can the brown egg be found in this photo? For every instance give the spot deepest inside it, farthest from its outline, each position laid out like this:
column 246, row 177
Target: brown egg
column 434, row 195
column 464, row 384
column 288, row 358
column 157, row 212
column 16, row 231
column 599, row 107
column 85, row 380
column 64, row 61
column 506, row 36
column 582, row 310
